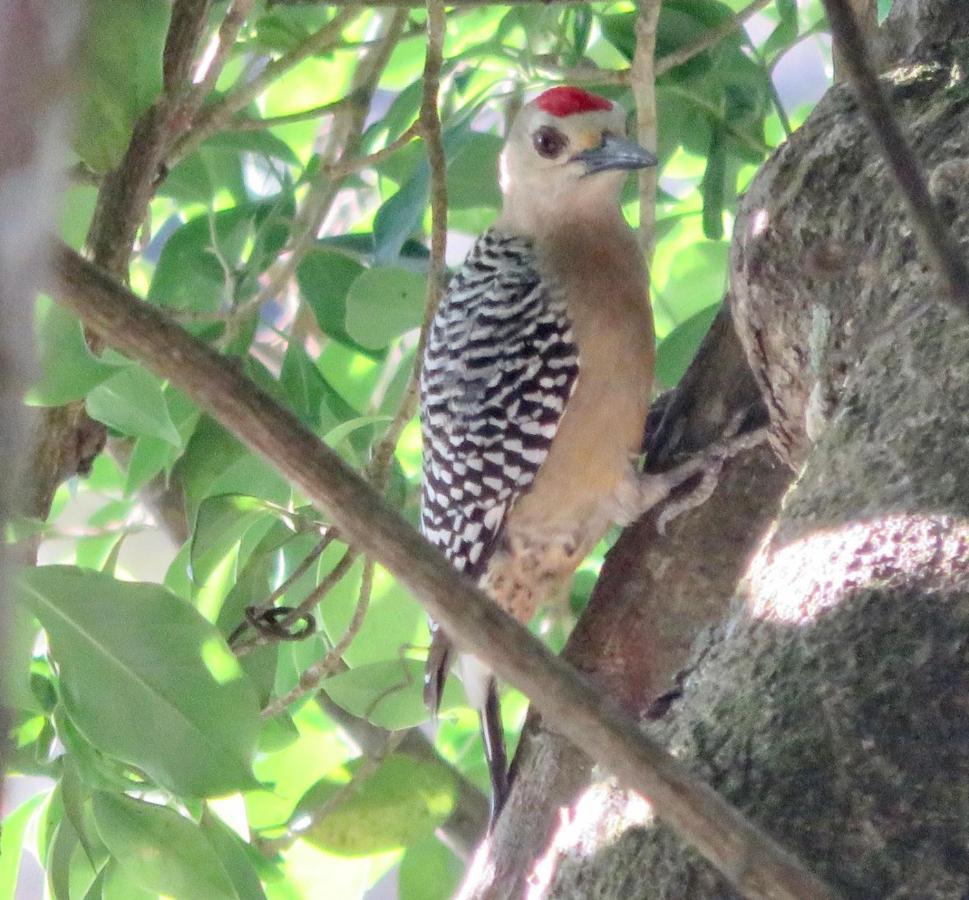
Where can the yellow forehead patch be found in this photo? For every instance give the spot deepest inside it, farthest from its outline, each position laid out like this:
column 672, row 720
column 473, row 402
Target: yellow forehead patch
column 587, row 139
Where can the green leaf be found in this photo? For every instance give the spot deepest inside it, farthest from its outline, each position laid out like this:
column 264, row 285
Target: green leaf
column 676, row 351
column 160, row 850
column 786, row 31
column 306, row 391
column 58, row 861
column 122, row 75
column 698, row 277
column 472, row 176
column 398, row 805
column 219, row 525
column 132, row 402
column 393, row 622
column 95, row 768
column 324, row 278
column 428, row 871
column 389, row 693
column 384, row 303
column 117, row 884
column 11, row 843
column 339, row 436
column 16, row 650
column 181, row 709
column 69, row 369
column 191, row 271
column 151, row 456
column 399, row 217
column 215, row 462
column 232, row 855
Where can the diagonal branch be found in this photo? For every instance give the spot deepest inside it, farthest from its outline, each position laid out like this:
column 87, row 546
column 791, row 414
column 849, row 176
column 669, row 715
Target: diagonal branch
column 933, row 234
column 750, row 859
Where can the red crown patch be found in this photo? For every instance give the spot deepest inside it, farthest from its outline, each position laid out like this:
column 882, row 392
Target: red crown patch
column 567, row 101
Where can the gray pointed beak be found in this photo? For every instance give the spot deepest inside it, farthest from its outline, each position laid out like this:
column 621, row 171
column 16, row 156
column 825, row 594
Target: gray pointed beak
column 614, row 153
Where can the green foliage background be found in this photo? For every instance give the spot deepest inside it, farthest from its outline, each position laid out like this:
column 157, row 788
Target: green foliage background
column 165, row 779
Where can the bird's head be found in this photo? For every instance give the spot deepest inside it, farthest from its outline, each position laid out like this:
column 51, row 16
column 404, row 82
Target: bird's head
column 567, row 153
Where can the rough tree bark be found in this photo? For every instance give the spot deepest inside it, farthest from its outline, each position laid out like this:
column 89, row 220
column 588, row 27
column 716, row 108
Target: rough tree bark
column 831, row 703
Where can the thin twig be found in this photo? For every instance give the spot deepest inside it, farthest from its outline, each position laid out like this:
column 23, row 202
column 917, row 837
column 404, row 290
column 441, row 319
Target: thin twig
column 235, row 18
column 333, row 577
column 709, row 38
column 372, row 761
column 314, row 674
column 218, row 116
column 591, row 75
column 294, row 576
column 243, row 123
column 430, row 128
column 322, row 193
column 643, row 83
column 748, row 857
column 933, row 235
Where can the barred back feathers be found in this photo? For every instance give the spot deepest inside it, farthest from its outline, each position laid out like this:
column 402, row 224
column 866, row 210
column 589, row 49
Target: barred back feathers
column 500, row 365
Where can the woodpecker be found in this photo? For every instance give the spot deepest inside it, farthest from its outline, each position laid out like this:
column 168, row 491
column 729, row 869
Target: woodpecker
column 536, row 379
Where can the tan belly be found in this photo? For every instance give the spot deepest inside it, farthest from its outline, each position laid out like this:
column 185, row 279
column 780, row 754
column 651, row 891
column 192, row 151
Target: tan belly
column 573, row 500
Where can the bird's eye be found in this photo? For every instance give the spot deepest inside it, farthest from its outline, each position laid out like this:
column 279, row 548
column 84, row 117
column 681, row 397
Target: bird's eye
column 549, row 142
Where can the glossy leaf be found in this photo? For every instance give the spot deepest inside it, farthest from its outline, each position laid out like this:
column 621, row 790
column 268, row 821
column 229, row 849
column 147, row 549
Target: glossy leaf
column 132, row 402
column 11, row 842
column 389, row 693
column 154, row 654
column 160, row 850
column 68, row 368
column 123, row 74
column 398, row 805
column 382, row 304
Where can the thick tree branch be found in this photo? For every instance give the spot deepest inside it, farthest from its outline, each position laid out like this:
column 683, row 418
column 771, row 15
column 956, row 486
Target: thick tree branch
column 934, row 236
column 568, row 703
column 126, row 192
column 69, row 440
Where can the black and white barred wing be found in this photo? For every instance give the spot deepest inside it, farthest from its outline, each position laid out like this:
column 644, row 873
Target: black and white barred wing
column 499, row 367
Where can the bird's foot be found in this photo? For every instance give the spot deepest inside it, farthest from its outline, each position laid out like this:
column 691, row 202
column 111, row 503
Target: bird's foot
column 652, row 488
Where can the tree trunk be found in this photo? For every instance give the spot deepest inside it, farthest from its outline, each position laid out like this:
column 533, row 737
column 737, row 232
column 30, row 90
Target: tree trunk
column 832, row 703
